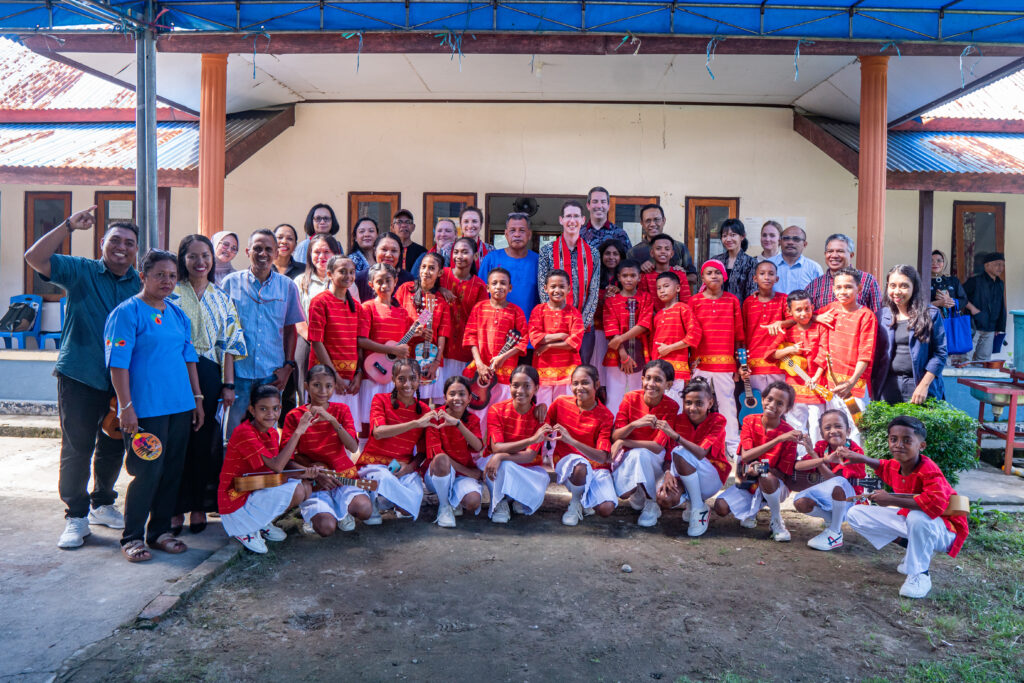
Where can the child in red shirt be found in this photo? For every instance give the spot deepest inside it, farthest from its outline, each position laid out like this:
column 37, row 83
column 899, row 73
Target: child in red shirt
column 334, row 330
column 513, row 465
column 720, row 318
column 556, row 333
column 699, row 464
column 451, row 468
column 415, row 297
column 850, row 342
column 582, row 429
column 327, row 444
column 254, row 448
column 675, row 332
column 627, row 344
column 487, row 333
column 760, row 309
column 662, row 250
column 767, row 442
column 922, row 494
column 469, row 290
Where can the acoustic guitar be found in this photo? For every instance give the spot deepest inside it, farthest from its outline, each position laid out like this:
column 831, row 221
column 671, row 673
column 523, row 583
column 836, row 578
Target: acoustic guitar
column 266, row 480
column 851, row 403
column 479, row 390
column 789, row 365
column 377, row 366
column 111, row 426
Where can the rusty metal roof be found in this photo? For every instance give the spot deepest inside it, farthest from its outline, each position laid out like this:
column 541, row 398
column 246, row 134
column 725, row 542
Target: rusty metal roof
column 923, row 151
column 110, row 145
column 1002, row 99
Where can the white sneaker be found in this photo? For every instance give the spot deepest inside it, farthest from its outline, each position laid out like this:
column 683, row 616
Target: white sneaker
column 574, row 515
column 916, row 586
column 501, row 514
column 307, row 529
column 347, row 523
column 519, row 508
column 588, row 512
column 274, row 533
column 827, row 540
column 649, row 517
column 75, row 531
column 457, row 511
column 107, row 515
column 699, row 522
column 749, row 522
column 902, row 567
column 374, row 519
column 253, row 543
column 780, row 534
column 686, row 512
column 638, row 500
column 445, row 516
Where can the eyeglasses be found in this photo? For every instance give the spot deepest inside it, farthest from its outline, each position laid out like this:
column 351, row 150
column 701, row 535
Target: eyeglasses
column 792, row 238
column 321, row 219
column 402, row 221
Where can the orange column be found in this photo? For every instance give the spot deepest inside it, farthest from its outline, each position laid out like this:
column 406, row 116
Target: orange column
column 871, row 172
column 213, row 85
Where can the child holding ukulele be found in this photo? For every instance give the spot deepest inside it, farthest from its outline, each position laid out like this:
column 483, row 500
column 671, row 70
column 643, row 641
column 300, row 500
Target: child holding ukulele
column 675, row 331
column 451, row 472
column 334, row 329
column 417, row 296
column 254, row 448
column 804, row 343
column 556, row 333
column 622, row 368
column 327, row 444
column 513, row 465
column 487, row 333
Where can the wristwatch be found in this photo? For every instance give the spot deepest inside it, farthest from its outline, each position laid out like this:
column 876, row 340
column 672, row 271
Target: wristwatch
column 228, row 385
column 295, row 366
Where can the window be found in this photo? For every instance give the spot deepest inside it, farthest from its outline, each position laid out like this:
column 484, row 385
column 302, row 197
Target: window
column 625, row 213
column 120, row 206
column 704, row 216
column 43, row 212
column 978, row 229
column 543, row 222
column 380, row 206
column 438, row 205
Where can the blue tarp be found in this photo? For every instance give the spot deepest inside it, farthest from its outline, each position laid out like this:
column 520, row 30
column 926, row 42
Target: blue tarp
column 966, row 21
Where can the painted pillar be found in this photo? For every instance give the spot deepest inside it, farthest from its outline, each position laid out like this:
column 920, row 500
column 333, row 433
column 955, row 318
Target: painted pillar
column 212, row 120
column 871, row 171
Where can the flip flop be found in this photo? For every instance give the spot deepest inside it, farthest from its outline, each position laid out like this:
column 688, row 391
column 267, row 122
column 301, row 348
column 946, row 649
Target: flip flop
column 169, row 544
column 135, row 551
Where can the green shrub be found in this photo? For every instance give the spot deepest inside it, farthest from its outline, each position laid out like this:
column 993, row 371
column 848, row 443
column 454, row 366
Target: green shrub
column 952, row 433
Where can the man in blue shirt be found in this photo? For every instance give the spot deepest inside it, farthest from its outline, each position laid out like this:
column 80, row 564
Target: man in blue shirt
column 268, row 309
column 795, row 270
column 94, row 288
column 517, row 259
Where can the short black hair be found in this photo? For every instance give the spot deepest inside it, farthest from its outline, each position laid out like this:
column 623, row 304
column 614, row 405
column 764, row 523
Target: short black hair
column 557, row 272
column 501, row 271
column 663, row 237
column 784, row 388
column 770, row 263
column 267, row 232
column 648, row 207
column 798, row 295
column 155, row 256
column 668, row 275
column 308, row 225
column 912, row 423
column 123, row 225
column 851, row 271
column 626, row 264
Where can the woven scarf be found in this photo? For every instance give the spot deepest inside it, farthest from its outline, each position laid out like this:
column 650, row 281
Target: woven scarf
column 562, row 257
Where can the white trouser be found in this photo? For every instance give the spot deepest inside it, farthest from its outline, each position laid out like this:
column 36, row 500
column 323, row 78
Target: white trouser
column 724, row 386
column 334, row 502
column 547, row 393
column 675, row 392
column 522, row 483
column 351, row 401
column 261, row 508
column 710, row 482
column 821, row 495
column 367, row 390
column 453, row 487
column 744, row 504
column 761, row 382
column 883, row 525
column 406, row 492
column 638, row 467
column 598, row 487
column 618, row 385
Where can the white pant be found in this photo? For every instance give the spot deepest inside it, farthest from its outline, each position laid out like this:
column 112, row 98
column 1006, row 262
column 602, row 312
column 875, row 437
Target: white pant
column 352, row 402
column 883, row 525
column 710, row 482
column 547, row 393
column 453, row 487
column 761, row 382
column 334, row 502
column 821, row 495
column 619, row 384
column 261, row 508
column 639, row 467
column 367, row 390
column 744, row 504
column 807, row 418
column 523, row 484
column 598, row 488
column 725, row 386
column 405, row 493
column 675, row 392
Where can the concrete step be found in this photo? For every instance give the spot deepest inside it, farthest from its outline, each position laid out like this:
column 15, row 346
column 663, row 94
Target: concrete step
column 30, row 426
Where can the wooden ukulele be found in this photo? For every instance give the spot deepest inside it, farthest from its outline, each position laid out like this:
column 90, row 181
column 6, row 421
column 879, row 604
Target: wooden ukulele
column 111, row 426
column 805, row 479
column 851, row 403
column 633, row 349
column 426, row 351
column 789, row 365
column 377, row 366
column 266, row 480
column 480, row 391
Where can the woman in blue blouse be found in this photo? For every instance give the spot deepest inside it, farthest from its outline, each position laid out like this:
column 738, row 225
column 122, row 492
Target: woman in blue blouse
column 148, row 344
column 912, row 372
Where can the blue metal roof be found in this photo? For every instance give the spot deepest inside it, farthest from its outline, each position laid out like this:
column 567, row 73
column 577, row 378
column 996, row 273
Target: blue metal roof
column 923, row 151
column 967, row 21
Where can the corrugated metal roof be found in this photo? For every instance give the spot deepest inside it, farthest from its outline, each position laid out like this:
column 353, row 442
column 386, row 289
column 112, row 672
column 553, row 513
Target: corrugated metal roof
column 31, row 81
column 110, row 145
column 1002, row 99
column 916, row 151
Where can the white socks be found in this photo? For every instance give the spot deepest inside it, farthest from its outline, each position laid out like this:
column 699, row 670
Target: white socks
column 773, row 504
column 839, row 508
column 691, row 483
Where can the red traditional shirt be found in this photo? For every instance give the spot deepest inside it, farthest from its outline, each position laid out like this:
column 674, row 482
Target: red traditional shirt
column 649, row 284
column 401, row 447
column 591, row 427
column 245, row 454
column 852, row 339
column 506, row 425
column 440, row 322
column 670, row 326
column 931, row 492
column 555, row 366
column 812, row 339
column 721, row 323
column 782, row 456
column 332, row 322
column 756, row 314
column 616, row 322
column 487, row 329
column 383, row 323
column 851, row 470
column 449, row 440
column 633, row 408
column 709, row 435
column 467, row 294
column 320, row 443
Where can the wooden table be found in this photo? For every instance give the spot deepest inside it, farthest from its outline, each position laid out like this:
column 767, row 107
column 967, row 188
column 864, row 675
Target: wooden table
column 1007, row 430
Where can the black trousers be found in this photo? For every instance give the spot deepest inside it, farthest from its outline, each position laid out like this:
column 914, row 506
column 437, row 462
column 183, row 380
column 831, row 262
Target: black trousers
column 84, row 447
column 153, row 490
column 205, row 452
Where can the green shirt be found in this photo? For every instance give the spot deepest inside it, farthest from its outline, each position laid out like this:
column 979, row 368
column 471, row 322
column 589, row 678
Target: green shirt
column 92, row 292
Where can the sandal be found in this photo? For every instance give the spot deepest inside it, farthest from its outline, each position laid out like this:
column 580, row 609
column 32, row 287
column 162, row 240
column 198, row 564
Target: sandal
column 169, row 544
column 135, row 551
column 176, row 528
column 194, row 526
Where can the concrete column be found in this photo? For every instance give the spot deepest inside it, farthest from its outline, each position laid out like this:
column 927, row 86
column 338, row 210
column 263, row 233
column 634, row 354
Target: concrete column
column 871, row 171
column 212, row 120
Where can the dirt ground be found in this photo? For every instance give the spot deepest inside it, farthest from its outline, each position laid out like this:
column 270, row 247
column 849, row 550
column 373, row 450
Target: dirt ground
column 536, row 601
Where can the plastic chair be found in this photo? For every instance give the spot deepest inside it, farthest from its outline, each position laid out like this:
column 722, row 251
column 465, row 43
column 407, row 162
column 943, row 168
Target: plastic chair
column 36, row 302
column 55, row 336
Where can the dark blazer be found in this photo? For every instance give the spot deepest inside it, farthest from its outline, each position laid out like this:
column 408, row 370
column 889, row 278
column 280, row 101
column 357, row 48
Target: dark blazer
column 929, row 357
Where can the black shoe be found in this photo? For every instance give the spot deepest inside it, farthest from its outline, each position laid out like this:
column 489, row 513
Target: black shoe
column 196, row 528
column 176, row 530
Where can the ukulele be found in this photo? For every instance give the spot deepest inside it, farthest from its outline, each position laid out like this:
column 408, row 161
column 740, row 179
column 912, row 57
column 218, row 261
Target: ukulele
column 851, row 403
column 426, row 351
column 111, row 426
column 480, row 391
column 633, row 349
column 805, row 479
column 266, row 480
column 789, row 365
column 751, row 400
column 377, row 366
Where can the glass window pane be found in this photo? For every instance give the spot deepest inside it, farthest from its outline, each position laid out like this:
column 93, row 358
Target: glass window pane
column 449, row 210
column 627, row 216
column 47, row 214
column 979, row 238
column 378, row 211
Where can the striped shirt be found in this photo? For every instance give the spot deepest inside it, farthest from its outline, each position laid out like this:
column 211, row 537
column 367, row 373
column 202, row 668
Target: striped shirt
column 649, row 284
column 813, row 339
column 487, row 329
column 332, row 322
column 931, row 491
column 633, row 408
column 440, row 320
column 451, row 442
column 320, row 442
column 852, row 340
column 781, row 456
column 506, row 425
column 383, row 323
column 245, row 454
column 721, row 323
column 709, row 435
column 673, row 324
column 555, row 366
column 467, row 294
column 616, row 322
column 756, row 314
column 591, row 427
column 401, row 447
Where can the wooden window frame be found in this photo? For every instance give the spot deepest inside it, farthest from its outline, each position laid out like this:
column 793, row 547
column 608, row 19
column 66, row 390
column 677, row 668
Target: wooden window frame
column 691, row 215
column 30, row 237
column 163, row 211
column 958, row 268
column 582, row 198
column 629, row 200
column 431, row 198
column 393, row 198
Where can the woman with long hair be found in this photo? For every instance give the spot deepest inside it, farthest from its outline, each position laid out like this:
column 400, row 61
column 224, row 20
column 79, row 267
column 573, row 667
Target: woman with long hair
column 613, row 252
column 771, row 231
column 321, row 220
column 917, row 340
column 364, row 234
column 471, row 224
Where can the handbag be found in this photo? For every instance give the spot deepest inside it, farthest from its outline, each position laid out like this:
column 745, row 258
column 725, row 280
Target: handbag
column 959, row 338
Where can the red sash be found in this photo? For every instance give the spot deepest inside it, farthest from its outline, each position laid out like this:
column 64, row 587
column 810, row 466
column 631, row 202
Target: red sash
column 562, row 257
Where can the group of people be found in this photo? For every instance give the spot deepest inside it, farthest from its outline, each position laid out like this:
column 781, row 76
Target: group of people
column 361, row 384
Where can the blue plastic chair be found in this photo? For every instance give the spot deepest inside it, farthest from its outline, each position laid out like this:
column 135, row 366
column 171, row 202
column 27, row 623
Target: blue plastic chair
column 36, row 302
column 55, row 336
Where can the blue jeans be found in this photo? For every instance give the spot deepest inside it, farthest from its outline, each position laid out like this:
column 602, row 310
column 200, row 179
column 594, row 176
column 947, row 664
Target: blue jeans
column 243, row 387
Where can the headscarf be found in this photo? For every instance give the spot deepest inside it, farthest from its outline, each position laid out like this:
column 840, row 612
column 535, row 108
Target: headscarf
column 220, row 268
column 714, row 263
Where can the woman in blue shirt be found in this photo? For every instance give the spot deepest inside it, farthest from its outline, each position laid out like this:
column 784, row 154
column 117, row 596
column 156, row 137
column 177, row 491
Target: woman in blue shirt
column 148, row 345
